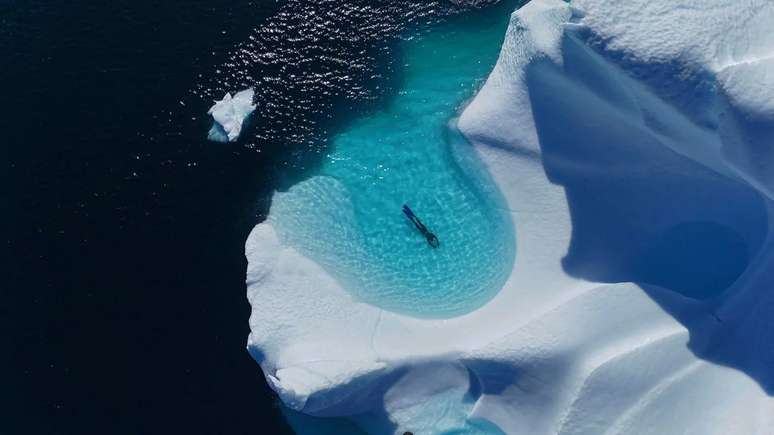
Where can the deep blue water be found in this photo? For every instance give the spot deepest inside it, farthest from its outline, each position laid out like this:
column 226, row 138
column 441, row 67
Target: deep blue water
column 124, row 306
column 123, row 309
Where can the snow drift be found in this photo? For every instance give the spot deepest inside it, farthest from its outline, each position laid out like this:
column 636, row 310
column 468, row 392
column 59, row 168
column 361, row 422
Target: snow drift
column 633, row 143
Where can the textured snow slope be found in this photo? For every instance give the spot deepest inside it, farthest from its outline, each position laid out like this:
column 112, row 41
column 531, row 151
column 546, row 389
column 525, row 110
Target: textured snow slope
column 632, row 142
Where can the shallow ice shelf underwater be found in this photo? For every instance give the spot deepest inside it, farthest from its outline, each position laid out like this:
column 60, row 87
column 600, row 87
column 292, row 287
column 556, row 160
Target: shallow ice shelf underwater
column 354, row 226
column 349, row 218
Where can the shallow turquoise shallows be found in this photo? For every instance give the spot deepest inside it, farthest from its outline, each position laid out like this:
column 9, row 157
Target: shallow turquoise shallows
column 348, row 216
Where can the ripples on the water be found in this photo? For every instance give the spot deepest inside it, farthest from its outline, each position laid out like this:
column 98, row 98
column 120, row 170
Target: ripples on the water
column 314, row 63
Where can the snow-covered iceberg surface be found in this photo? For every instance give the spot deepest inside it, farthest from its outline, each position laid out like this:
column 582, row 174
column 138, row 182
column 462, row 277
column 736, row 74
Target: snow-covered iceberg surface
column 229, row 114
column 633, row 144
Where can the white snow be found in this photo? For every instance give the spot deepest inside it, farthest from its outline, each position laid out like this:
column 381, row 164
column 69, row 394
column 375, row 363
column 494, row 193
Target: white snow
column 608, row 126
column 229, row 114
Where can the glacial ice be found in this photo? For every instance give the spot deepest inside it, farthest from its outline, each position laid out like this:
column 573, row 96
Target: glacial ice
column 621, row 134
column 229, row 114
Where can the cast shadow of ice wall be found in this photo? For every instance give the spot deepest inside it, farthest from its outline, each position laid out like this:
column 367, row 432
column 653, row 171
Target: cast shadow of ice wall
column 642, row 212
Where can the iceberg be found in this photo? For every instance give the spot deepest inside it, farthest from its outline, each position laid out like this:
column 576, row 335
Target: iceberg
column 229, row 114
column 633, row 145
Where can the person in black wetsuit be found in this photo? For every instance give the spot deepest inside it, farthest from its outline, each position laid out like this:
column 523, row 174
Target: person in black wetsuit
column 432, row 240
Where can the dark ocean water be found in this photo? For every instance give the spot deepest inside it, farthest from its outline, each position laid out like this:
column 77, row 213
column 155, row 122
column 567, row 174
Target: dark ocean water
column 124, row 308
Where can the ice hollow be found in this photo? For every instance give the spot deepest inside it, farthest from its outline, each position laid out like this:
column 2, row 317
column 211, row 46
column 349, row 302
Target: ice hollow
column 632, row 146
column 229, row 114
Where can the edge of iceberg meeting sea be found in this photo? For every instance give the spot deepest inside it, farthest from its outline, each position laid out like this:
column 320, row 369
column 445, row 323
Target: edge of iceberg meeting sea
column 624, row 137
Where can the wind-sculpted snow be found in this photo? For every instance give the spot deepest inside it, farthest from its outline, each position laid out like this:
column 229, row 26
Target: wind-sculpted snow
column 633, row 146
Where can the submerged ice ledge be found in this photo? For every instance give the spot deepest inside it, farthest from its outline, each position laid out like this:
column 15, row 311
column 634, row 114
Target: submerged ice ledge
column 615, row 137
column 347, row 215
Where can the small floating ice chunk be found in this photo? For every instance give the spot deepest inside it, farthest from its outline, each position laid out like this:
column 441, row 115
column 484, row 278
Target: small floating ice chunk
column 229, row 114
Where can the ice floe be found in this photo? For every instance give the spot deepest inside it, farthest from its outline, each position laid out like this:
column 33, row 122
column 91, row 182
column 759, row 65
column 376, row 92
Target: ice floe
column 229, row 114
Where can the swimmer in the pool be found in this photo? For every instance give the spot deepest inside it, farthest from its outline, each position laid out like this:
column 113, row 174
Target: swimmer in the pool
column 432, row 240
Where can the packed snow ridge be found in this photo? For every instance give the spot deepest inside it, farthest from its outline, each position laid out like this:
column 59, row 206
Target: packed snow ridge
column 634, row 144
column 229, row 114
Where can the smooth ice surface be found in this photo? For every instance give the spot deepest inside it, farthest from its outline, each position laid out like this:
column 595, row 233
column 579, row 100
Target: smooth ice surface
column 348, row 216
column 229, row 114
column 632, row 144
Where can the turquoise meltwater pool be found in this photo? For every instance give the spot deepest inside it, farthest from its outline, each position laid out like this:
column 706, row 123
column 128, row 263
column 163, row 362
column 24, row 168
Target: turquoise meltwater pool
column 348, row 218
